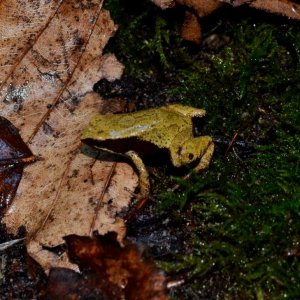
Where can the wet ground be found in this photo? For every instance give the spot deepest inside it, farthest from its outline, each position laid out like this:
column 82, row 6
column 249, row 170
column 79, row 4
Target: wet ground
column 232, row 232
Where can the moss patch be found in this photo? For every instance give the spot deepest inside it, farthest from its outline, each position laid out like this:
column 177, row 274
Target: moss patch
column 242, row 215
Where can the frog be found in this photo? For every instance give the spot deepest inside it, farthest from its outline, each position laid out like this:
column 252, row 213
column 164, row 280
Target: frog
column 139, row 134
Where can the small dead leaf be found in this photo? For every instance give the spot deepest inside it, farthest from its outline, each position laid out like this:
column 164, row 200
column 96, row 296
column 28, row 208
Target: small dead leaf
column 14, row 153
column 201, row 7
column 108, row 271
column 191, row 30
column 10, row 177
column 12, row 148
column 164, row 4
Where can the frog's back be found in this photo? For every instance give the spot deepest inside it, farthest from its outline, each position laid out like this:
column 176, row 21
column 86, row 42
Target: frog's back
column 158, row 126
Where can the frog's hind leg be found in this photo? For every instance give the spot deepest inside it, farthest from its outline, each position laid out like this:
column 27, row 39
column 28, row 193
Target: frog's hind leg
column 144, row 182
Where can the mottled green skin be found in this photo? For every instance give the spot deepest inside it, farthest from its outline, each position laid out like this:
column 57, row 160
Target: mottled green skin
column 159, row 125
column 168, row 127
column 165, row 127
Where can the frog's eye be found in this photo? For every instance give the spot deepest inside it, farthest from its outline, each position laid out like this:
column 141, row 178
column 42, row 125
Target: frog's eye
column 191, row 156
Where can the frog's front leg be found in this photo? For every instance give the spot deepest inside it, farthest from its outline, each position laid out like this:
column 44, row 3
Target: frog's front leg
column 199, row 147
column 187, row 151
column 144, row 182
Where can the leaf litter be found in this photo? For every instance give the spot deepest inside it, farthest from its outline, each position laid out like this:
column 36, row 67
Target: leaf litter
column 51, row 59
column 52, row 56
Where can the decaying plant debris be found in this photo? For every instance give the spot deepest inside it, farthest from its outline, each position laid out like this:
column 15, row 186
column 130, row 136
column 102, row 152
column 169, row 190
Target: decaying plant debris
column 47, row 92
column 191, row 29
column 238, row 224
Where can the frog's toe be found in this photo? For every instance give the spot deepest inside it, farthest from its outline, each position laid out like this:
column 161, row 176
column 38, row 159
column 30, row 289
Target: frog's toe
column 206, row 158
column 139, row 203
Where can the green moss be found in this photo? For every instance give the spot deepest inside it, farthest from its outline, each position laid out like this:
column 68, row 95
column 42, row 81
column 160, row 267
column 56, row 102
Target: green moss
column 140, row 36
column 244, row 240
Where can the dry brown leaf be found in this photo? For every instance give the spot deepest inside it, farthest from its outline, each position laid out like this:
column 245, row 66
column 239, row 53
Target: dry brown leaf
column 53, row 57
column 288, row 8
column 191, row 30
column 108, row 271
column 201, row 8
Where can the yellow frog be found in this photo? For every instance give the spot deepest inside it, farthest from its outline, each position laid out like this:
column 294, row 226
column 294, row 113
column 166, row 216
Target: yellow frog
column 139, row 134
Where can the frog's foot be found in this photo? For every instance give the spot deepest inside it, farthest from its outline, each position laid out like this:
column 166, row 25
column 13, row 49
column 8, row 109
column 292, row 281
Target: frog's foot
column 206, row 158
column 144, row 183
column 203, row 163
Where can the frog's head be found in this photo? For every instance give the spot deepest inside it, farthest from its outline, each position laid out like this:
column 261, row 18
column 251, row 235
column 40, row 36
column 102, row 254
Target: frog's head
column 195, row 149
